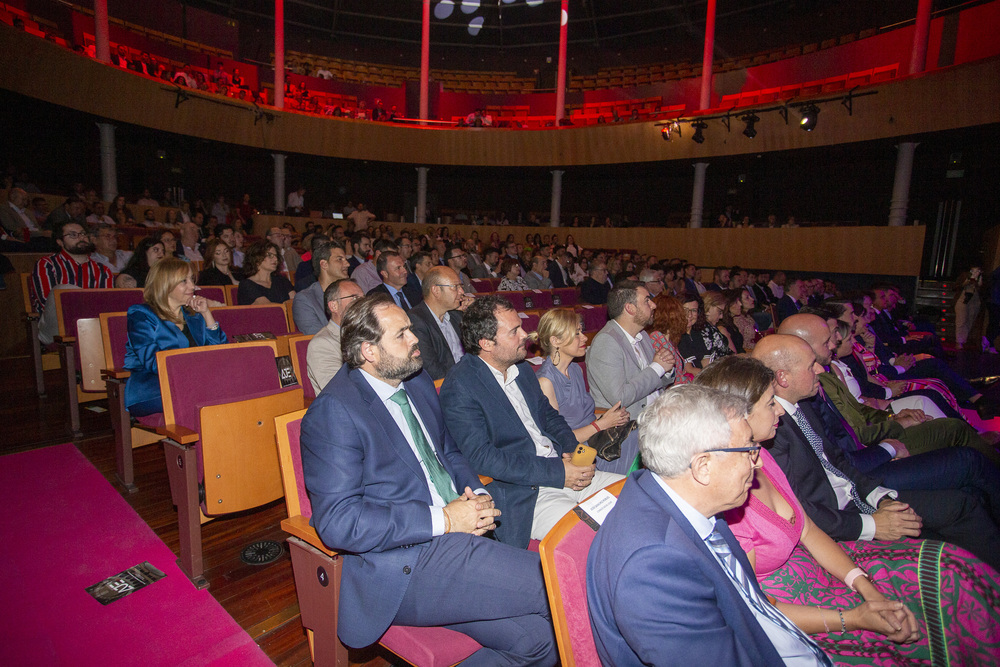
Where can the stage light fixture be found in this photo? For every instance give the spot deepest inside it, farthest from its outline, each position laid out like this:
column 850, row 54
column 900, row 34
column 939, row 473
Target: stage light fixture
column 810, row 114
column 750, row 119
column 698, row 137
column 670, row 129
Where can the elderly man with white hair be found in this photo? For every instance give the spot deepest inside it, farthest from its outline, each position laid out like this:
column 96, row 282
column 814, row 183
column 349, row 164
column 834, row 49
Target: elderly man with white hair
column 665, row 577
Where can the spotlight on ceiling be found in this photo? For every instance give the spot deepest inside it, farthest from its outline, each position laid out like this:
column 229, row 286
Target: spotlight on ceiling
column 698, row 137
column 750, row 119
column 810, row 113
column 670, row 130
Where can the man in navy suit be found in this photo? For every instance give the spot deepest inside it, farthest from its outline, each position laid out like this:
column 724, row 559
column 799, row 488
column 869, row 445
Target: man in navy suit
column 390, row 489
column 505, row 426
column 666, row 579
column 392, row 270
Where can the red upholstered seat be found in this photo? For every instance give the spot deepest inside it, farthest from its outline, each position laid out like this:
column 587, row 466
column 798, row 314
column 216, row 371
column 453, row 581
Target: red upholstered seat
column 297, row 347
column 516, row 298
column 241, row 320
column 529, row 321
column 594, row 317
column 568, row 296
column 540, row 298
column 214, row 293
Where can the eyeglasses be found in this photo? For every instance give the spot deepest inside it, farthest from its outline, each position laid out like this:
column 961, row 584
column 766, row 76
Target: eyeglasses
column 74, row 235
column 352, row 297
column 753, row 451
column 457, row 287
column 691, row 311
column 272, row 254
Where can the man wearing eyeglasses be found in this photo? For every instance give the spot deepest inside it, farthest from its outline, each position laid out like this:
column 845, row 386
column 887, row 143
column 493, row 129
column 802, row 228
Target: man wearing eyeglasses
column 323, row 356
column 71, row 267
column 456, row 258
column 437, row 321
column 665, row 577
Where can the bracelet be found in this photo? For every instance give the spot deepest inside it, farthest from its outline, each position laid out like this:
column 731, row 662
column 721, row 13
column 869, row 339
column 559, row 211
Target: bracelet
column 852, row 576
column 594, row 424
column 843, row 626
column 215, row 328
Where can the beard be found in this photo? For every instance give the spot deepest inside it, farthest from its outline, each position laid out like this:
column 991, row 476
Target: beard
column 82, row 247
column 396, row 368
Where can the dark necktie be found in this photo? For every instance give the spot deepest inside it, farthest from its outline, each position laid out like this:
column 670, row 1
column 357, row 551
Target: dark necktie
column 402, row 301
column 439, row 476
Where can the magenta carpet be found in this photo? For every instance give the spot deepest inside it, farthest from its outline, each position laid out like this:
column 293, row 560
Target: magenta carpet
column 65, row 528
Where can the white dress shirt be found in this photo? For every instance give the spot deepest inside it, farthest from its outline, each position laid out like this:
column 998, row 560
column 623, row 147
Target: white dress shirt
column 543, row 446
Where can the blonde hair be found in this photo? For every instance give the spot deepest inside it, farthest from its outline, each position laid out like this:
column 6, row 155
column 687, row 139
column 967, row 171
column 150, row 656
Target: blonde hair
column 559, row 322
column 163, row 277
column 711, row 298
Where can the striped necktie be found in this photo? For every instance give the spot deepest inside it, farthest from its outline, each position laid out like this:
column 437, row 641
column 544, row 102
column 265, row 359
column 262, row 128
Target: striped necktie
column 718, row 544
column 817, row 445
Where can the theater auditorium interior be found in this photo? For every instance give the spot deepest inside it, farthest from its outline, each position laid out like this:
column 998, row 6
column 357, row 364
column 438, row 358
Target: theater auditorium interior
column 844, row 151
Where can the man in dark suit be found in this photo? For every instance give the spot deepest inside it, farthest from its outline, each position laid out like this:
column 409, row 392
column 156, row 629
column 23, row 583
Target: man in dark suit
column 505, row 426
column 559, row 269
column 390, row 489
column 594, row 288
column 437, row 321
column 845, row 503
column 392, row 270
column 792, row 301
column 665, row 578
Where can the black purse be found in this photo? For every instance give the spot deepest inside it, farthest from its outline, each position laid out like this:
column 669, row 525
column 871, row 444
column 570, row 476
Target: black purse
column 608, row 442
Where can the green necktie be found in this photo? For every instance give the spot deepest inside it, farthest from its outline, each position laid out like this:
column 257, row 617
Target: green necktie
column 439, row 476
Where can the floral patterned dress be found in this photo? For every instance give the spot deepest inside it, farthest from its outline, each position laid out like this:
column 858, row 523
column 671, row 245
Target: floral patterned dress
column 954, row 596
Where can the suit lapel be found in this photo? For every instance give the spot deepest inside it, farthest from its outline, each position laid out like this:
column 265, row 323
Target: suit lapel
column 616, row 332
column 499, row 397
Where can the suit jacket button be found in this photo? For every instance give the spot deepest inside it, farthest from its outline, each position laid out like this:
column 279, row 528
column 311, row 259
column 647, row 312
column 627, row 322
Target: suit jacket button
column 406, row 569
column 534, row 488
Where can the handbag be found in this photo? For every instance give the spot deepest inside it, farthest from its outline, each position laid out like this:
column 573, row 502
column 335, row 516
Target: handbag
column 608, row 442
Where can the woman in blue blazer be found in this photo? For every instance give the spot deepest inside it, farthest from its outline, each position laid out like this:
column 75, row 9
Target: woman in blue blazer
column 172, row 318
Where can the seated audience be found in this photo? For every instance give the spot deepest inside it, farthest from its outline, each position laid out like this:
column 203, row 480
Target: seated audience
column 148, row 252
column 169, row 240
column 263, row 283
column 793, row 299
column 538, row 276
column 512, row 281
column 392, row 270
column 844, row 502
column 218, row 266
column 669, row 324
column 665, row 577
column 106, row 250
column 561, row 337
column 172, row 317
column 622, row 366
column 704, row 343
column 738, row 321
column 595, row 287
column 190, row 234
column 411, row 544
column 812, row 576
column 456, row 258
column 120, row 212
column 501, row 420
column 366, row 274
column 70, row 267
column 323, row 354
column 437, row 321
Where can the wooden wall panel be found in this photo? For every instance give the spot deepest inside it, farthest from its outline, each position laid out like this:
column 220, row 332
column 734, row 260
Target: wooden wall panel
column 966, row 95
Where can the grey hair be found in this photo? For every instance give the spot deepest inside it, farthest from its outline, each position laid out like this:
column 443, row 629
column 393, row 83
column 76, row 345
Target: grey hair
column 683, row 422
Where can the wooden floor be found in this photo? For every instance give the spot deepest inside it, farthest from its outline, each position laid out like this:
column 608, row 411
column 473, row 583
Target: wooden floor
column 261, row 598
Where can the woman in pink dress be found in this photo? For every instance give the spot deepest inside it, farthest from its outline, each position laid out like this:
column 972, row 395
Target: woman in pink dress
column 951, row 598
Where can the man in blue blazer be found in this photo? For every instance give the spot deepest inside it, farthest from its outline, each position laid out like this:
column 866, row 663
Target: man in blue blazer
column 390, row 489
column 666, row 579
column 505, row 426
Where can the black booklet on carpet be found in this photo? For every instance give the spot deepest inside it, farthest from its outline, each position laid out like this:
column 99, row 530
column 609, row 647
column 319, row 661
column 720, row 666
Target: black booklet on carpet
column 123, row 583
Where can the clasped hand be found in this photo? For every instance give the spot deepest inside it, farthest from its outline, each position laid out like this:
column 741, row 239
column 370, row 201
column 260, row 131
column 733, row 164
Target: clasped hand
column 471, row 513
column 578, row 478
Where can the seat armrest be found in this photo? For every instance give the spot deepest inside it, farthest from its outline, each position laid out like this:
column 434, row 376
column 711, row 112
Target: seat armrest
column 64, row 340
column 600, row 411
column 179, row 434
column 115, row 374
column 298, row 526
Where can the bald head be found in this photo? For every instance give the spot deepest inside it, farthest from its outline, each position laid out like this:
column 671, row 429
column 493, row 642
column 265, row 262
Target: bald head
column 794, row 364
column 814, row 330
column 440, row 291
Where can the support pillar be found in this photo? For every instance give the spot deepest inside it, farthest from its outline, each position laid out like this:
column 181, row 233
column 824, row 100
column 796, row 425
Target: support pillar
column 279, row 181
column 109, row 167
column 901, row 185
column 421, row 216
column 918, row 56
column 279, row 73
column 557, row 175
column 425, row 65
column 698, row 195
column 705, row 101
column 101, row 38
column 561, row 73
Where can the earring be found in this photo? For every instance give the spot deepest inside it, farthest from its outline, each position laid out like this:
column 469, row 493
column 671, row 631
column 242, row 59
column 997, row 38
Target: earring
column 555, row 357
